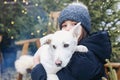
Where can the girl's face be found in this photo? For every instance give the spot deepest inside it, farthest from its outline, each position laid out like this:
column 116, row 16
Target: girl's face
column 67, row 25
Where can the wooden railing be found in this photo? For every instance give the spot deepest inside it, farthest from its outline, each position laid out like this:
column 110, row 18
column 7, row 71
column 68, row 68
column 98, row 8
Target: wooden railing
column 25, row 44
column 1, row 57
column 115, row 66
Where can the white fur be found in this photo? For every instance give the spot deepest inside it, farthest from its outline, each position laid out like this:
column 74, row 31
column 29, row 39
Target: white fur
column 60, row 50
column 23, row 63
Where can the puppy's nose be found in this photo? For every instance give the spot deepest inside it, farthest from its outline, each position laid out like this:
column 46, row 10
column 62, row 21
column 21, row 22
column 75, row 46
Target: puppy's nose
column 58, row 63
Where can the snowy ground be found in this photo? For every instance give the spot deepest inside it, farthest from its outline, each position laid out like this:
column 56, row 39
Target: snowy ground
column 11, row 74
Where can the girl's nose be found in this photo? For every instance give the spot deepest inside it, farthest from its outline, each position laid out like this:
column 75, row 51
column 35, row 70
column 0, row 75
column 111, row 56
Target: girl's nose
column 68, row 27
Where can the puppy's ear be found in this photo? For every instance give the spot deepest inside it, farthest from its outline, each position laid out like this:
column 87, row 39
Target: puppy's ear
column 76, row 30
column 45, row 39
column 48, row 41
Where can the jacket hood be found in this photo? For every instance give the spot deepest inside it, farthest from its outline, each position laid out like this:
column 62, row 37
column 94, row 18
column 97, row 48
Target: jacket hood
column 99, row 43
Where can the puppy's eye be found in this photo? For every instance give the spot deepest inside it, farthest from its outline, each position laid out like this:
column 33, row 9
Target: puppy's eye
column 66, row 45
column 54, row 47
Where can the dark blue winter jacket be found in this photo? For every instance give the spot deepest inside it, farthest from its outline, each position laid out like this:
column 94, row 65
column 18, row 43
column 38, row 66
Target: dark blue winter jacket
column 83, row 66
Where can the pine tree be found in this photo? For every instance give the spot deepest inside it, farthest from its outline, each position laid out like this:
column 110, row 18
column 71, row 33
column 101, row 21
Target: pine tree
column 17, row 19
column 8, row 12
column 105, row 16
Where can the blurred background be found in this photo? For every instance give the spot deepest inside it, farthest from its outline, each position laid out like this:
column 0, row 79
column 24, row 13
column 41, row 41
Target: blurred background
column 22, row 20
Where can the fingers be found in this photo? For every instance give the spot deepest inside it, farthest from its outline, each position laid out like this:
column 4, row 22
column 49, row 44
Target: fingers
column 36, row 59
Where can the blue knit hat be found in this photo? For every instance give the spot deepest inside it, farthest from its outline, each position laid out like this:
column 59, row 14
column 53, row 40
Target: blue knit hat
column 76, row 12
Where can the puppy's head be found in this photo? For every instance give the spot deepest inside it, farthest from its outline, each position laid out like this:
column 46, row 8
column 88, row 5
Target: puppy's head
column 63, row 45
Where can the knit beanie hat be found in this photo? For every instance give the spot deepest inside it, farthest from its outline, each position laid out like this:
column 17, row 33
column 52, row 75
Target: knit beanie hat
column 77, row 12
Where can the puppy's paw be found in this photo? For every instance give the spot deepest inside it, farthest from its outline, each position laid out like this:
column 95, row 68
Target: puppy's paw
column 82, row 48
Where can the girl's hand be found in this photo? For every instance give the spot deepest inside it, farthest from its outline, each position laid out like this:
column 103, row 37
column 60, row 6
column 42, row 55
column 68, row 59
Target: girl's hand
column 36, row 59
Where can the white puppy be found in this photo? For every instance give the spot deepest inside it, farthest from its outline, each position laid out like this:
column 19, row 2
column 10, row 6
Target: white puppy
column 58, row 50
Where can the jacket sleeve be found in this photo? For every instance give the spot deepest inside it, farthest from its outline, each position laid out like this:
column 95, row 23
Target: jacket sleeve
column 99, row 43
column 38, row 73
column 83, row 66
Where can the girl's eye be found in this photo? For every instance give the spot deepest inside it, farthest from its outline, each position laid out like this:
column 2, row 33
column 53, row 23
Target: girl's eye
column 74, row 24
column 66, row 45
column 54, row 47
column 64, row 26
